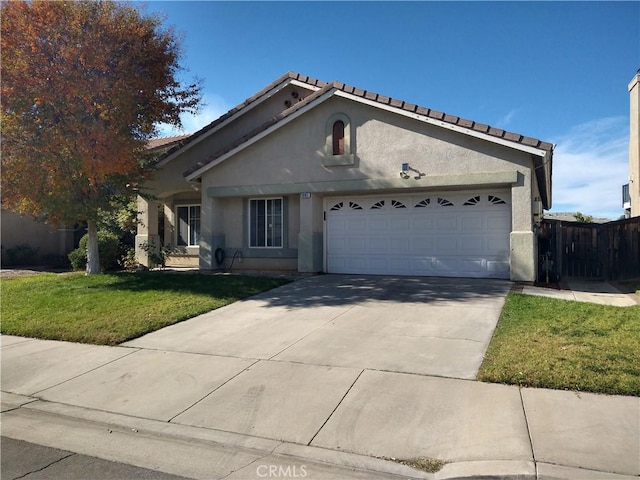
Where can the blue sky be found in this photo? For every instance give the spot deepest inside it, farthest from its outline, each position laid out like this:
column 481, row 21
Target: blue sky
column 557, row 71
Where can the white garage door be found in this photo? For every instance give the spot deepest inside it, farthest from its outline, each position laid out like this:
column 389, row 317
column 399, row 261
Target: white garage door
column 447, row 234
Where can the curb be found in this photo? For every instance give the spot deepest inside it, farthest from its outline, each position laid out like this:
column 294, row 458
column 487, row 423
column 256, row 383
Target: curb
column 23, row 413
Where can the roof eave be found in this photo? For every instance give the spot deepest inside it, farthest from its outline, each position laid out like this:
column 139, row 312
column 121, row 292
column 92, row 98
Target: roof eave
column 197, row 171
column 240, row 110
column 335, row 89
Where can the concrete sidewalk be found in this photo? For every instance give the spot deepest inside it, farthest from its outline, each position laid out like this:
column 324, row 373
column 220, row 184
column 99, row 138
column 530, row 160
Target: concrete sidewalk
column 590, row 291
column 228, row 417
column 327, row 377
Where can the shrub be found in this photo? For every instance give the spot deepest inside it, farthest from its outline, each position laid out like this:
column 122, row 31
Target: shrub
column 128, row 260
column 78, row 258
column 54, row 260
column 108, row 248
column 22, row 254
column 157, row 255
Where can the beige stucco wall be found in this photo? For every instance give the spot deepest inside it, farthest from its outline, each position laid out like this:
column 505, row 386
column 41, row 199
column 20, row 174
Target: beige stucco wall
column 18, row 230
column 290, row 160
column 169, row 179
column 382, row 143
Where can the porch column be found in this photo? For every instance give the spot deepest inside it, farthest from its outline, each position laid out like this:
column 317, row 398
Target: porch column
column 523, row 242
column 169, row 226
column 310, row 237
column 211, row 231
column 147, row 233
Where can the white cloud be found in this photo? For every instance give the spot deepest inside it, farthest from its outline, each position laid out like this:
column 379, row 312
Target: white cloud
column 505, row 120
column 213, row 107
column 590, row 165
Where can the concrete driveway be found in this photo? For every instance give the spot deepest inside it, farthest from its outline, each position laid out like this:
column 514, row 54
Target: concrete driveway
column 427, row 326
column 372, row 366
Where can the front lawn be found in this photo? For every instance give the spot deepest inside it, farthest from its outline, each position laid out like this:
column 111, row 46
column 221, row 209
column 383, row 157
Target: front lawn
column 550, row 343
column 112, row 308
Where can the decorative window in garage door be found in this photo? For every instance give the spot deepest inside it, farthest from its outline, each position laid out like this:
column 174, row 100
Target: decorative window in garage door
column 341, row 205
column 406, row 203
column 443, row 202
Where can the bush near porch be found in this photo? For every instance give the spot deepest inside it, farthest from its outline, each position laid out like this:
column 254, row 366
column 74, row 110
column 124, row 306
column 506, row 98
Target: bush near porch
column 112, row 308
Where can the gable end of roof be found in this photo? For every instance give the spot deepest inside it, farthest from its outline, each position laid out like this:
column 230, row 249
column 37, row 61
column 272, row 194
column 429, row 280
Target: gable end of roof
column 324, row 88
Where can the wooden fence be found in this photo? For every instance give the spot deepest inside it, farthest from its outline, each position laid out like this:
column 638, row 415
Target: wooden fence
column 609, row 251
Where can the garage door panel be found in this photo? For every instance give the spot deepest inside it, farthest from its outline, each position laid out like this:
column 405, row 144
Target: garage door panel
column 446, row 222
column 379, row 245
column 498, row 268
column 357, row 244
column 357, row 224
column 475, row 244
column 377, row 224
column 498, row 222
column 339, row 226
column 400, row 245
column 401, row 224
column 445, row 238
column 472, row 223
column 446, row 245
column 423, row 245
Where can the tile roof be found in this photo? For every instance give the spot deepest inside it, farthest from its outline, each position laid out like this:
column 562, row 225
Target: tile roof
column 381, row 99
column 164, row 141
column 283, row 78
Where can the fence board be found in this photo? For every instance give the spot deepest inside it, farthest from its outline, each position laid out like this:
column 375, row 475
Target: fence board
column 609, row 251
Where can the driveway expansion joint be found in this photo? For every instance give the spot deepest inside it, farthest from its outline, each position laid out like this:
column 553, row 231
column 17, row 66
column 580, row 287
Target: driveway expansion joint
column 212, row 391
column 336, row 407
column 526, row 422
column 84, row 373
column 331, row 320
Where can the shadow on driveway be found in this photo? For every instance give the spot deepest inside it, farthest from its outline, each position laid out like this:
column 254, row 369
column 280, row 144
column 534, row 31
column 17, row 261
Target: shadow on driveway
column 337, row 290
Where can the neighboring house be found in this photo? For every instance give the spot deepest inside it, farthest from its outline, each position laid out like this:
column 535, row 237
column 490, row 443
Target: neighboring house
column 47, row 240
column 571, row 217
column 50, row 241
column 631, row 191
column 309, row 176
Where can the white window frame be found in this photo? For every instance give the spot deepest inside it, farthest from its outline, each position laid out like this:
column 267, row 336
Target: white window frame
column 189, row 229
column 266, row 223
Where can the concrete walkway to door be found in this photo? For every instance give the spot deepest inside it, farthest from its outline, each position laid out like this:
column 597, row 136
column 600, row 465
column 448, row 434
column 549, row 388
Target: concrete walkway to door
column 323, row 377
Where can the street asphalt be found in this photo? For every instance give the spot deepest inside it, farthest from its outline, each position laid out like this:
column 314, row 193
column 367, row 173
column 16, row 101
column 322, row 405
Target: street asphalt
column 328, row 377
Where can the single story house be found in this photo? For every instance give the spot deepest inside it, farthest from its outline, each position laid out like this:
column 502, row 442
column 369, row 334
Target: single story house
column 309, row 176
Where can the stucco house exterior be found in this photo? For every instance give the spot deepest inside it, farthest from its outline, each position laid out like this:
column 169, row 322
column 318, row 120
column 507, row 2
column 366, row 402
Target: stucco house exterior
column 309, row 176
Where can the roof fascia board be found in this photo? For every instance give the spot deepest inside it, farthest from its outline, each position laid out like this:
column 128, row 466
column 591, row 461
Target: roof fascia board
column 298, row 83
column 260, row 136
column 456, row 128
column 239, row 113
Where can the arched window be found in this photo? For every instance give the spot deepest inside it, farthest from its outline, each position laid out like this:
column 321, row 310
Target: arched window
column 339, row 146
column 338, row 137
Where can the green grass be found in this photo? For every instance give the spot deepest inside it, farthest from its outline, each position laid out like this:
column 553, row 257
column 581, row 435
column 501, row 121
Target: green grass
column 559, row 344
column 112, row 308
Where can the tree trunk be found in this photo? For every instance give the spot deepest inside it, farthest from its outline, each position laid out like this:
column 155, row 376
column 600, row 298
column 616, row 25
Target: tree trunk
column 93, row 257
